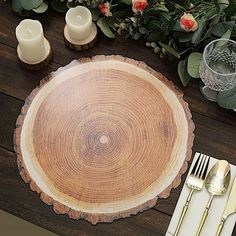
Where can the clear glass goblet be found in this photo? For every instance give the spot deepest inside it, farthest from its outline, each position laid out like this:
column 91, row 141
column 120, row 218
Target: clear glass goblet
column 218, row 68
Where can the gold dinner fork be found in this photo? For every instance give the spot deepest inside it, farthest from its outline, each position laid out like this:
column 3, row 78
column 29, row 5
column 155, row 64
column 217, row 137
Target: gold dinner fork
column 195, row 182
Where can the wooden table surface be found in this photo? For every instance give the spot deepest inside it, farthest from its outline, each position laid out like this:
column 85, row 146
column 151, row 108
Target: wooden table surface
column 215, row 132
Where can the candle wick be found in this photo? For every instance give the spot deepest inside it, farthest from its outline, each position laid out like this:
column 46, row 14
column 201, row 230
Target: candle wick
column 29, row 32
column 79, row 18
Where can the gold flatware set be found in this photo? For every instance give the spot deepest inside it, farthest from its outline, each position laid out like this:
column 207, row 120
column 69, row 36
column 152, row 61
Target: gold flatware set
column 216, row 183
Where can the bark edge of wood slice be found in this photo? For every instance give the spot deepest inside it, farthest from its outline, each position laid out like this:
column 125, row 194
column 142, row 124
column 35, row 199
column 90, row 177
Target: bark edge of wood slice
column 95, row 207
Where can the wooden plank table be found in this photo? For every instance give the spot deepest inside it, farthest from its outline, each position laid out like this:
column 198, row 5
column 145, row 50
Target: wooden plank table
column 215, row 132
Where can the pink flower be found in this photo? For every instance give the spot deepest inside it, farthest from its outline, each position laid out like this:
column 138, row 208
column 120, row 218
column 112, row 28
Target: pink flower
column 139, row 5
column 105, row 9
column 188, row 22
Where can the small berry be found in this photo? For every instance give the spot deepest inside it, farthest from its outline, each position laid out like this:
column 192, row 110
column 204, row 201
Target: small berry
column 157, row 50
column 153, row 44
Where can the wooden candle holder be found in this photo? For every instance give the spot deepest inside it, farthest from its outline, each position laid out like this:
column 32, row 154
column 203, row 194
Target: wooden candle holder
column 83, row 44
column 38, row 65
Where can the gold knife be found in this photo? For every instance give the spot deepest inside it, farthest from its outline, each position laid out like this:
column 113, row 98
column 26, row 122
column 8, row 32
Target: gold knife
column 230, row 207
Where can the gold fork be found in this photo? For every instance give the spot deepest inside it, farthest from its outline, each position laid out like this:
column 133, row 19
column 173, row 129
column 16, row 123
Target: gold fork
column 195, row 182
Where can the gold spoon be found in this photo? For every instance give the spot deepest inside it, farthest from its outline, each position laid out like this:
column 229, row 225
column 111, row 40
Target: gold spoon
column 217, row 182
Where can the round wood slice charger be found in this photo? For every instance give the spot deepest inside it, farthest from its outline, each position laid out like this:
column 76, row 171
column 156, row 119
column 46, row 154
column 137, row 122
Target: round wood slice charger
column 104, row 138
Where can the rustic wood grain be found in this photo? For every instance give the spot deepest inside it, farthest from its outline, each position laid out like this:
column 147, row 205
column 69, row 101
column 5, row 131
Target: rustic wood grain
column 148, row 223
column 102, row 140
column 212, row 137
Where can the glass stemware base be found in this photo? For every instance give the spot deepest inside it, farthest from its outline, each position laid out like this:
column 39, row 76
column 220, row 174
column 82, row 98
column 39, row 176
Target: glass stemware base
column 207, row 92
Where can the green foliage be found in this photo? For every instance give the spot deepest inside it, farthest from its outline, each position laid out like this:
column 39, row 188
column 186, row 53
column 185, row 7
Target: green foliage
column 227, row 99
column 16, row 6
column 36, row 5
column 194, row 61
column 183, row 73
column 104, row 26
column 29, row 5
column 220, row 28
column 159, row 24
column 170, row 50
column 226, row 35
column 95, row 14
column 160, row 7
column 198, row 34
column 41, row 8
column 212, row 13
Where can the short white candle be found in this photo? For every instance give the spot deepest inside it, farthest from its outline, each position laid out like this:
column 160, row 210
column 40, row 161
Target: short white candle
column 29, row 34
column 79, row 23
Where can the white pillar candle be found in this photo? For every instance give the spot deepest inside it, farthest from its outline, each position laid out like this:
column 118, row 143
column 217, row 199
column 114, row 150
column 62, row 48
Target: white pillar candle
column 29, row 34
column 79, row 23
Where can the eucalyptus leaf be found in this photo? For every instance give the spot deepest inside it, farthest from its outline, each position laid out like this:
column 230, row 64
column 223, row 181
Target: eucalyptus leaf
column 226, row 35
column 29, row 5
column 110, row 21
column 160, row 7
column 211, row 14
column 137, row 36
column 170, row 50
column 103, row 25
column 220, row 28
column 183, row 73
column 193, row 64
column 216, row 19
column 198, row 34
column 154, row 36
column 227, row 99
column 222, row 4
column 143, row 30
column 165, row 16
column 177, row 27
column 16, row 5
column 206, row 35
column 154, row 24
column 95, row 14
column 41, row 8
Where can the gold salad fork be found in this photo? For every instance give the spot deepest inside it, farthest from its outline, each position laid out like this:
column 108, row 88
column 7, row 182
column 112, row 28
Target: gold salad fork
column 195, row 182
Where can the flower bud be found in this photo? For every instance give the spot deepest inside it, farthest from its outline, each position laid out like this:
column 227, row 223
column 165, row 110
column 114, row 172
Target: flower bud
column 139, row 5
column 105, row 9
column 188, row 22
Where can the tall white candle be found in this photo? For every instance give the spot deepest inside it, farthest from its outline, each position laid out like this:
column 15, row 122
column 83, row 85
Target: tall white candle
column 29, row 34
column 79, row 23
